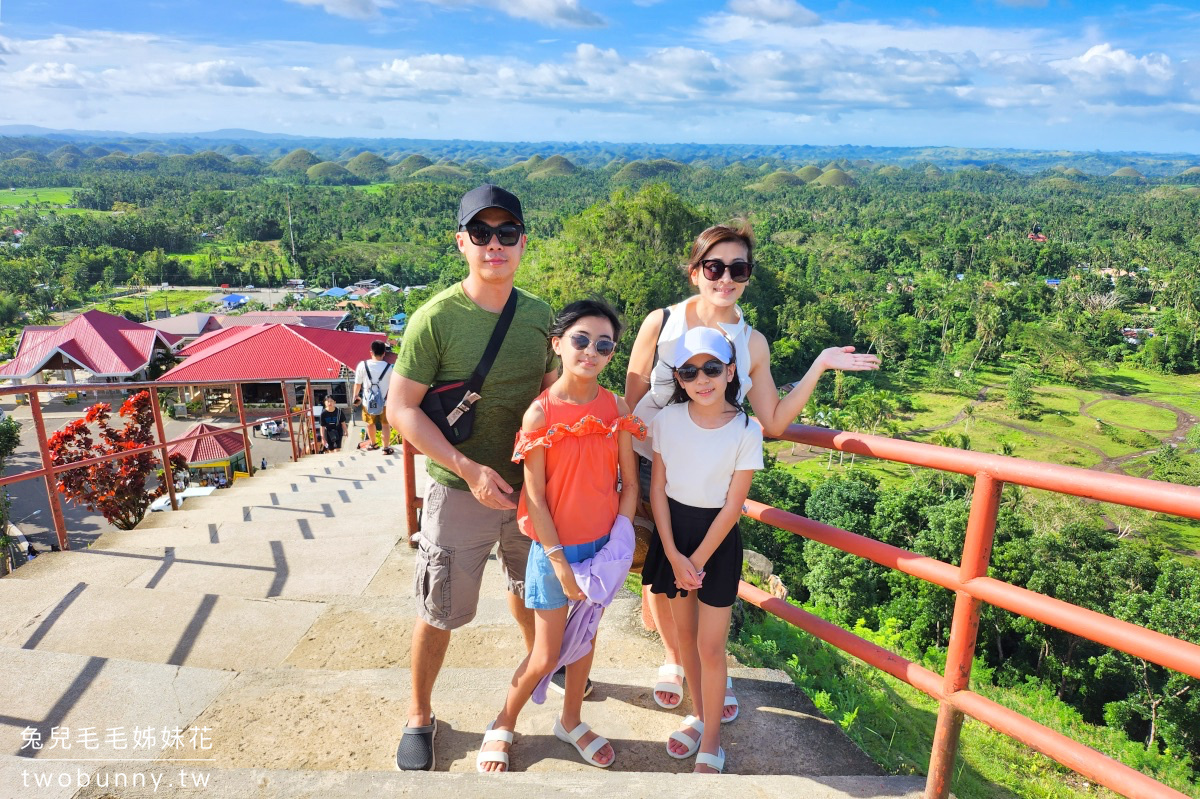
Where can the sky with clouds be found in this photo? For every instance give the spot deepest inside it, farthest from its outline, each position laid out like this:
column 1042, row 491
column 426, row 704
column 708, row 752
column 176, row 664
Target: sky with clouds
column 1044, row 74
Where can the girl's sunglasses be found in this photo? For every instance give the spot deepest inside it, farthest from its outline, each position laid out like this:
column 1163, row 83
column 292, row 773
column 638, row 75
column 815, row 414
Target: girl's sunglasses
column 481, row 233
column 739, row 271
column 604, row 346
column 689, row 372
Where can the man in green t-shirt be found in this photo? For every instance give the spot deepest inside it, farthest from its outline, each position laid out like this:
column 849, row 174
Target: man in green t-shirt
column 470, row 503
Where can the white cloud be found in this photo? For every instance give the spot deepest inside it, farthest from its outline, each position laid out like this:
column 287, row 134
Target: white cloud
column 351, row 9
column 781, row 12
column 550, row 13
column 215, row 73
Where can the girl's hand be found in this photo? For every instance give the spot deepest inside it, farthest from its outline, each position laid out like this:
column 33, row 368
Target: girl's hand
column 562, row 570
column 698, row 565
column 687, row 577
column 846, row 360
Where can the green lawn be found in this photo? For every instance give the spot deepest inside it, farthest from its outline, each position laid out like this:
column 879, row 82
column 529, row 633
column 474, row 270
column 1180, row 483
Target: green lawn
column 1134, row 414
column 1182, row 391
column 54, row 196
column 177, row 300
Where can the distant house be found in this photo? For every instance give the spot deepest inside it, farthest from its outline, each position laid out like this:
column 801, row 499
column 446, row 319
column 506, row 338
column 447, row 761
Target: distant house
column 1038, row 237
column 105, row 346
column 396, row 322
column 265, row 354
column 366, row 285
column 385, row 287
column 234, row 300
column 188, row 326
column 326, row 320
column 1053, row 282
column 335, row 292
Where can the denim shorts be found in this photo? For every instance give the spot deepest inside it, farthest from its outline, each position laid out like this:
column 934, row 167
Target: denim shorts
column 543, row 591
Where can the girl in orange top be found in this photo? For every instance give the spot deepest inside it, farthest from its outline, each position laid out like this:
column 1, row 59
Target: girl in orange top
column 573, row 439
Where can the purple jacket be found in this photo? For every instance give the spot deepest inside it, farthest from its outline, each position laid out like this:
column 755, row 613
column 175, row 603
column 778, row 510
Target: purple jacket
column 599, row 577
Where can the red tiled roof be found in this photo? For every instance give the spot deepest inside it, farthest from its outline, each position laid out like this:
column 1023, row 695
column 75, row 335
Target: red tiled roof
column 97, row 342
column 211, row 448
column 326, row 319
column 267, row 352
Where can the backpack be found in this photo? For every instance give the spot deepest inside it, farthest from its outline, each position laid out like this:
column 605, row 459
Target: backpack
column 373, row 401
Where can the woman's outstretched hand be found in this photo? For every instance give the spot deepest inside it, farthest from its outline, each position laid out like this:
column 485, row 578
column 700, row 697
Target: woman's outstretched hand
column 845, row 359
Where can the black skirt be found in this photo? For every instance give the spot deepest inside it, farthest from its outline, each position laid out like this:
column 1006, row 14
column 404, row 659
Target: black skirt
column 722, row 572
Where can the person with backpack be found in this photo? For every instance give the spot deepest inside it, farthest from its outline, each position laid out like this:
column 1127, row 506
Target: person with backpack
column 370, row 391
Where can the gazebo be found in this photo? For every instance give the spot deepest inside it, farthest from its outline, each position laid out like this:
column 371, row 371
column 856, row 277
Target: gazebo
column 212, row 457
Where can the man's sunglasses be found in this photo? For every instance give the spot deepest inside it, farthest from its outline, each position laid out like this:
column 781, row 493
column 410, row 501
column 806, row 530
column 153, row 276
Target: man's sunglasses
column 481, row 233
column 689, row 372
column 739, row 271
column 604, row 346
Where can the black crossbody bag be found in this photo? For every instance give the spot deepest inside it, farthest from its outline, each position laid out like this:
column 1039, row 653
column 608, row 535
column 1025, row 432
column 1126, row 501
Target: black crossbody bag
column 451, row 406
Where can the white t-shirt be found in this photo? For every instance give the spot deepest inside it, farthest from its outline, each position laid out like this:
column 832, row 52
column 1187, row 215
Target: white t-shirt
column 701, row 462
column 376, row 371
column 662, row 378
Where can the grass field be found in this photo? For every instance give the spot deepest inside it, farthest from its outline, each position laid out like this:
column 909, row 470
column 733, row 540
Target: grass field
column 55, row 196
column 178, row 300
column 1134, row 414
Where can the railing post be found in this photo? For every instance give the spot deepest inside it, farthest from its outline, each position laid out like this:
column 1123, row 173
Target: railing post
column 964, row 630
column 287, row 407
column 309, row 419
column 241, row 406
column 168, row 473
column 410, row 489
column 39, row 426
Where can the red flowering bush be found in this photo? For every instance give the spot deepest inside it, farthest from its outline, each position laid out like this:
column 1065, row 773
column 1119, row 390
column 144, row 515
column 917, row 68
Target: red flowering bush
column 115, row 488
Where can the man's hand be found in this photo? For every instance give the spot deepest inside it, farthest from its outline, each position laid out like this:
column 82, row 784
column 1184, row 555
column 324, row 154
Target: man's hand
column 488, row 487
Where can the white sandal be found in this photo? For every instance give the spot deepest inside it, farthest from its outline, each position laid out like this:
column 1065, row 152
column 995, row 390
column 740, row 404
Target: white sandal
column 678, row 736
column 572, row 737
column 716, row 761
column 668, row 670
column 730, row 699
column 489, row 736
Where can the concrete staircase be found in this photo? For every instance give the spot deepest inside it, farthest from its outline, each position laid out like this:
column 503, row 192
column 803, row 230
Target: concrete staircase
column 270, row 623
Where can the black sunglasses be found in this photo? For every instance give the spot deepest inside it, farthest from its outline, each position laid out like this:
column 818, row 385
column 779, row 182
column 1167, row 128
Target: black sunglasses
column 481, row 233
column 739, row 271
column 604, row 346
column 689, row 372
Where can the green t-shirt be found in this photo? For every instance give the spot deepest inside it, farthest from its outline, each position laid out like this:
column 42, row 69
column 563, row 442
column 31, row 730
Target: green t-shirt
column 444, row 341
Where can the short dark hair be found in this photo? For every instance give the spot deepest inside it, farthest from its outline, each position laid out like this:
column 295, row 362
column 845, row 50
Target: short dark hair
column 377, row 348
column 581, row 309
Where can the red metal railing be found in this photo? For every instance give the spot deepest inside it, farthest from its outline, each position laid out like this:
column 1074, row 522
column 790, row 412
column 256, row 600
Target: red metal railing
column 48, row 471
column 973, row 588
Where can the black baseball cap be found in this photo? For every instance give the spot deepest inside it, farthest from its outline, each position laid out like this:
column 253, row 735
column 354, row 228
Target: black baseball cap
column 488, row 196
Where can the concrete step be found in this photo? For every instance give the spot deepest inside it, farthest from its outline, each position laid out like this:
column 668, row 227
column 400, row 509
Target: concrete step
column 316, row 568
column 167, row 627
column 382, row 493
column 298, row 529
column 352, row 721
column 281, row 784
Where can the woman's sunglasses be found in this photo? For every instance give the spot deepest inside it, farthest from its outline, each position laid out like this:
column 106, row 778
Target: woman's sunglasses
column 689, row 372
column 739, row 271
column 604, row 346
column 481, row 233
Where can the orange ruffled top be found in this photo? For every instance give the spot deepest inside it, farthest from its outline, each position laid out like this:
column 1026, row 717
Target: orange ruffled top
column 581, row 465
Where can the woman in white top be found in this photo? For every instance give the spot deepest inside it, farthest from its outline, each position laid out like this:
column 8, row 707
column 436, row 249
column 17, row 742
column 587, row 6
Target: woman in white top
column 719, row 266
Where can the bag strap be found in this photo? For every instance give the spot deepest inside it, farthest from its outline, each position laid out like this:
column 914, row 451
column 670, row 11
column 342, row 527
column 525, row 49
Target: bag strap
column 475, row 382
column 375, row 381
column 662, row 327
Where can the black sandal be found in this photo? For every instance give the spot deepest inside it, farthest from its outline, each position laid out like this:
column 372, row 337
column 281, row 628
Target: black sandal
column 415, row 752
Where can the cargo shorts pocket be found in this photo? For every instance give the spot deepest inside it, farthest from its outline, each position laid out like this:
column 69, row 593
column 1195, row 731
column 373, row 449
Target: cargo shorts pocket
column 433, row 580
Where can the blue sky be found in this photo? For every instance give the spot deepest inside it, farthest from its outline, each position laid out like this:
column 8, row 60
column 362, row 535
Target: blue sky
column 1046, row 74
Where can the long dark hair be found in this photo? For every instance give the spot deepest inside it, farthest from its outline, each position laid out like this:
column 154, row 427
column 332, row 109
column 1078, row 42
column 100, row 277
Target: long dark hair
column 732, row 388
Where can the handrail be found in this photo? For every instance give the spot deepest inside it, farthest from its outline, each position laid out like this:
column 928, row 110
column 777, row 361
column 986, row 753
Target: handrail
column 48, row 470
column 973, row 587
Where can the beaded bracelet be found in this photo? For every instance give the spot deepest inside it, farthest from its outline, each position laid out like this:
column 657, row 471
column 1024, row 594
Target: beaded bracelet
column 553, row 549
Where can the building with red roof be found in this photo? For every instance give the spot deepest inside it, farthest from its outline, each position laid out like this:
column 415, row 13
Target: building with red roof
column 211, row 456
column 270, row 353
column 106, row 346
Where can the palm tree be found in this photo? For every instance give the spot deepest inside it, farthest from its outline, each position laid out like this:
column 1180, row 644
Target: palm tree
column 968, row 415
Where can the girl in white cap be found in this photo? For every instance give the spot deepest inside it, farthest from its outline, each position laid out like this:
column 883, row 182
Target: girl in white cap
column 706, row 450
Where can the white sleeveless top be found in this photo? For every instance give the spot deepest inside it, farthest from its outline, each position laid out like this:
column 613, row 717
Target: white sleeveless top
column 662, row 379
